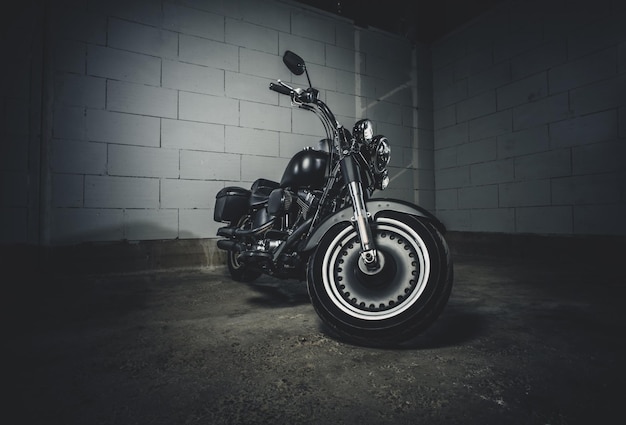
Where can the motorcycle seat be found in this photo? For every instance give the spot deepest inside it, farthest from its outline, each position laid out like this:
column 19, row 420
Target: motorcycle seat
column 261, row 190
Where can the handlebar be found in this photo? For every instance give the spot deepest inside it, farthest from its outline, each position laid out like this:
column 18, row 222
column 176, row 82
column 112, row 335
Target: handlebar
column 304, row 99
column 298, row 95
column 280, row 89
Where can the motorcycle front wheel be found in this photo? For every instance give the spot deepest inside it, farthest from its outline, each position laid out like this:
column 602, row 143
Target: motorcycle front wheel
column 393, row 303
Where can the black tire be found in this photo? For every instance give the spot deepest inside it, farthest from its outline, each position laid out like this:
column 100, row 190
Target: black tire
column 238, row 270
column 396, row 303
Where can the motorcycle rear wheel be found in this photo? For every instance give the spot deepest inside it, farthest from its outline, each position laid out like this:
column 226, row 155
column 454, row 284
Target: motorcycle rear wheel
column 393, row 304
column 240, row 271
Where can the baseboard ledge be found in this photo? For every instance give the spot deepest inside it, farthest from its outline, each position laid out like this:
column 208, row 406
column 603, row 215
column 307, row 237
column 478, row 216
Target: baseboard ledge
column 556, row 248
column 123, row 256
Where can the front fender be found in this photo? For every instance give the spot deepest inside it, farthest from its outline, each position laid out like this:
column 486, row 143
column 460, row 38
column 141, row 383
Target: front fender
column 374, row 207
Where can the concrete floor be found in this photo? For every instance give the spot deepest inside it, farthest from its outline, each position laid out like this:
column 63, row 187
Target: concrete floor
column 519, row 343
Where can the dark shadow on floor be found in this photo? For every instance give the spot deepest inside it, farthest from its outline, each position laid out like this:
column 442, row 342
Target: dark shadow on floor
column 274, row 293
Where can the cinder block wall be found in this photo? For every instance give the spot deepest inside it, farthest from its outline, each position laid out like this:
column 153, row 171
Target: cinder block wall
column 121, row 120
column 150, row 107
column 21, row 40
column 530, row 120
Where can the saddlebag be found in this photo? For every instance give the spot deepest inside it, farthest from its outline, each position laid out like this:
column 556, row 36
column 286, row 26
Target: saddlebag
column 231, row 203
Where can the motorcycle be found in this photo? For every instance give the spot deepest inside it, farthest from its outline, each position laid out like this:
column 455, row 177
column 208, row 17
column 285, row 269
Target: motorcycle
column 378, row 271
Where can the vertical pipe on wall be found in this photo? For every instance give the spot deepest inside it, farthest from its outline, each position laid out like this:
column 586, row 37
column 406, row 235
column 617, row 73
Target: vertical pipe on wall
column 415, row 142
column 359, row 66
column 45, row 131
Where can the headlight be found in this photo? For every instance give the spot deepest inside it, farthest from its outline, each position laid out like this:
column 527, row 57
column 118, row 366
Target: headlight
column 381, row 154
column 363, row 131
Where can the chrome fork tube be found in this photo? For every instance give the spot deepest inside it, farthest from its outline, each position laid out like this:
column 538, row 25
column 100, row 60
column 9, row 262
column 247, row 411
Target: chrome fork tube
column 350, row 171
column 361, row 217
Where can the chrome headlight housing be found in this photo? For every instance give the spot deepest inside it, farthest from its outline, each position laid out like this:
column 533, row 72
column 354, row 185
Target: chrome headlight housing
column 381, row 154
column 363, row 131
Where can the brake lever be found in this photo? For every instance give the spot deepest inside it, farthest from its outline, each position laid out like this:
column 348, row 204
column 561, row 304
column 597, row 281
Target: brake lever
column 287, row 86
column 294, row 92
column 300, row 96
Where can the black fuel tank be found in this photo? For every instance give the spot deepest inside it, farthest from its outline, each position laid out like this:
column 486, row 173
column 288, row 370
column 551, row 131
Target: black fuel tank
column 307, row 168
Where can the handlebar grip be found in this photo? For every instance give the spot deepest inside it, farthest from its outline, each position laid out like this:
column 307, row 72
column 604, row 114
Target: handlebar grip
column 280, row 89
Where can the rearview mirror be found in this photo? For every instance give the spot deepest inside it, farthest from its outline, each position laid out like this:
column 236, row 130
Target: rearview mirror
column 294, row 62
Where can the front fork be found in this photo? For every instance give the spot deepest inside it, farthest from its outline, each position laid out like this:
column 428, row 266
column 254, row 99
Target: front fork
column 361, row 217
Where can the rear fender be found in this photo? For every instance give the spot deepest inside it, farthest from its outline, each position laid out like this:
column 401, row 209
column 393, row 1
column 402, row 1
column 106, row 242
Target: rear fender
column 374, row 207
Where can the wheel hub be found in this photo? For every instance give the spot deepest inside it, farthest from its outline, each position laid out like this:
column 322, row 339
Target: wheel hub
column 367, row 269
column 381, row 289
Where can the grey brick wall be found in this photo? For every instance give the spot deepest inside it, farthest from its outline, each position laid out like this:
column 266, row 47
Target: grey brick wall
column 515, row 123
column 155, row 105
column 529, row 104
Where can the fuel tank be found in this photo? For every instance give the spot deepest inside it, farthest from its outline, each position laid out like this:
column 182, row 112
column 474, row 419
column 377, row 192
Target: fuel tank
column 307, row 169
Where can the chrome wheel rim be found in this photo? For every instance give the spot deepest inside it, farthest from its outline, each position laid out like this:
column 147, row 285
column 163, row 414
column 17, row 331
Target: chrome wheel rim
column 396, row 288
